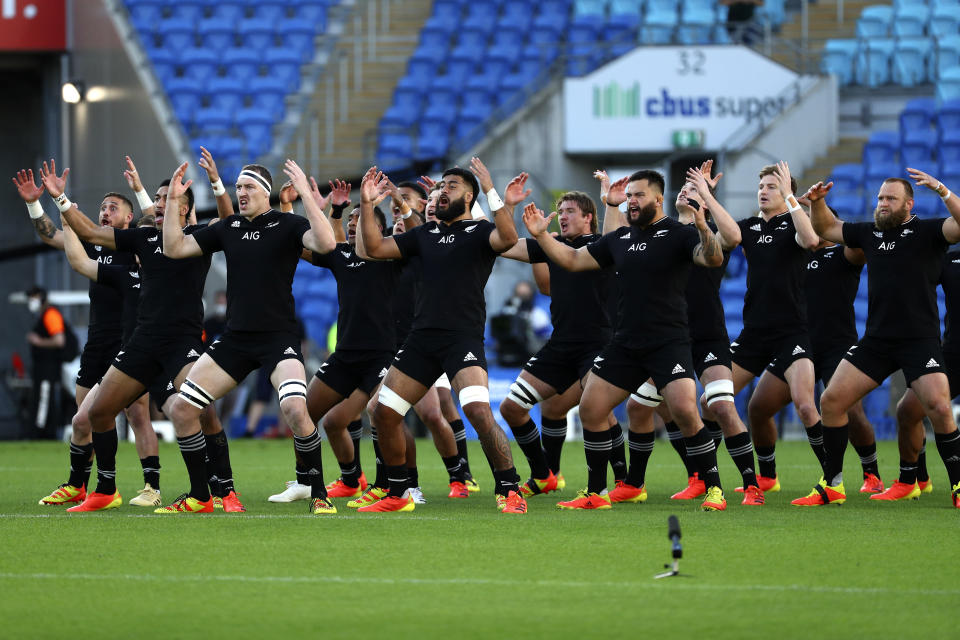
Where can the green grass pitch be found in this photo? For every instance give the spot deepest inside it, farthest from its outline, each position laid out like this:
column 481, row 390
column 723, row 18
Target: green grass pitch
column 459, row 569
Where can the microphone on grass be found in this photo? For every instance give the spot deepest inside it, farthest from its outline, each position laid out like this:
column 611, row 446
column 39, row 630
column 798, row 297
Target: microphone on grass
column 673, row 532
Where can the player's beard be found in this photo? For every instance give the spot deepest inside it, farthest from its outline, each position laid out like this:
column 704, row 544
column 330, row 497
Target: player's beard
column 454, row 209
column 892, row 220
column 645, row 216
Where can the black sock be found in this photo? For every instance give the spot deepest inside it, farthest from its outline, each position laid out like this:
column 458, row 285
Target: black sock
column 105, row 450
column 618, row 456
column 356, row 432
column 506, row 481
column 350, row 474
column 834, row 446
column 381, row 478
column 194, row 451
column 397, row 479
column 815, row 438
column 680, row 446
column 868, row 458
column 460, row 435
column 715, row 432
column 948, row 444
column 528, row 438
column 596, row 446
column 641, row 446
column 218, row 455
column 413, row 477
column 455, row 468
column 151, row 471
column 922, row 474
column 302, row 476
column 740, row 449
column 908, row 472
column 703, row 455
column 553, row 435
column 309, row 449
column 767, row 461
column 80, row 464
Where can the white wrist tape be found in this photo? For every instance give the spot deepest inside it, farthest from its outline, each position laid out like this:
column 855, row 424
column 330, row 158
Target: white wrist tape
column 494, row 201
column 407, row 215
column 218, row 189
column 63, row 202
column 946, row 195
column 34, row 209
column 143, row 199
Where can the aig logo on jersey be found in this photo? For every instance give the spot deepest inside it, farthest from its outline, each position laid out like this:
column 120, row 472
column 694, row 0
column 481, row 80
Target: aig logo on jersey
column 887, row 246
column 446, row 239
column 637, row 246
column 762, row 239
column 251, row 235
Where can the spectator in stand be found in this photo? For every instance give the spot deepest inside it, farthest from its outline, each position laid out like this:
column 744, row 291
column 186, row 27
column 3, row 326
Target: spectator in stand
column 741, row 26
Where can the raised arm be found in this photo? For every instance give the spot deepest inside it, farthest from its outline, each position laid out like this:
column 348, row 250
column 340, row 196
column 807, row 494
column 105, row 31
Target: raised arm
column 951, row 226
column 30, row 193
column 224, row 203
column 76, row 256
column 708, row 253
column 825, row 224
column 85, row 228
column 373, row 188
column 505, row 235
column 146, row 203
column 614, row 195
column 175, row 244
column 319, row 237
column 727, row 230
column 806, row 237
column 339, row 202
column 517, row 252
column 566, row 256
column 541, row 275
column 361, row 248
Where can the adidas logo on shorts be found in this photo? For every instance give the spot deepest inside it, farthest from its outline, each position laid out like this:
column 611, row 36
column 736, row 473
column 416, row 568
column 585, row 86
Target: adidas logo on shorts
column 193, row 354
column 931, row 363
column 119, row 353
column 798, row 349
column 289, row 351
column 598, row 359
column 678, row 369
column 710, row 357
column 469, row 357
column 382, row 373
column 169, row 386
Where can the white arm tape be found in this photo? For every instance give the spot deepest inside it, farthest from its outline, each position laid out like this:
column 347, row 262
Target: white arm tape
column 523, row 393
column 718, row 391
column 391, row 399
column 34, row 209
column 494, row 201
column 647, row 395
column 476, row 393
column 143, row 199
column 218, row 189
column 63, row 202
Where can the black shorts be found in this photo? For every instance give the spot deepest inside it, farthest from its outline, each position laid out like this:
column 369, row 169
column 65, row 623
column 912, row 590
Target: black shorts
column 880, row 357
column 756, row 350
column 263, row 390
column 952, row 363
column 240, row 352
column 96, row 358
column 560, row 364
column 629, row 368
column 155, row 361
column 347, row 371
column 826, row 359
column 427, row 353
column 710, row 353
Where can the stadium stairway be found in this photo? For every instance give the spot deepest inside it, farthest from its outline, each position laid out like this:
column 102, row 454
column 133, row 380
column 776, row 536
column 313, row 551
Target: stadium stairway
column 822, row 21
column 351, row 147
column 847, row 150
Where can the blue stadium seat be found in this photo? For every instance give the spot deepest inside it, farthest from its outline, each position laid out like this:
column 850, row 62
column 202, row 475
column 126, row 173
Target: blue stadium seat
column 696, row 25
column 256, row 125
column 268, row 93
column 917, row 114
column 478, row 101
column 394, row 149
column 909, row 63
column 911, row 21
column 948, row 86
column 530, row 64
column 146, row 10
column 948, row 55
column 874, row 21
column 837, row 59
column 469, row 130
column 299, row 35
column 545, row 43
column 436, row 36
column 517, row 14
column 420, row 70
column 918, row 147
column 216, row 34
column 471, row 42
column 406, row 106
column 190, row 10
column 847, row 177
column 461, row 65
column 881, row 147
column 552, row 14
column 774, row 11
column 658, row 28
column 433, row 141
column 240, row 63
column 621, row 36
column 481, row 17
column 849, row 207
column 213, row 122
column 176, row 35
column 508, row 41
column 944, row 21
column 949, row 149
column 284, row 63
column 925, row 204
column 879, row 171
column 269, row 11
column 449, row 11
column 873, row 62
column 146, row 29
column 198, row 63
column 164, row 64
column 230, row 11
column 589, row 8
column 948, row 116
column 312, row 11
column 443, row 103
column 623, row 7
column 224, row 94
column 498, row 63
column 663, row 6
column 185, row 98
column 255, row 33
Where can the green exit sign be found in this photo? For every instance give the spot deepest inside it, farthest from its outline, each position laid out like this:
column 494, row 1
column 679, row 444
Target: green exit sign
column 687, row 138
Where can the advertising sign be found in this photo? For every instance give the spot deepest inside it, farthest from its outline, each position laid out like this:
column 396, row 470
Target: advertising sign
column 33, row 25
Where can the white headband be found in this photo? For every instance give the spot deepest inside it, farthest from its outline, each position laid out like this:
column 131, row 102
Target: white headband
column 259, row 179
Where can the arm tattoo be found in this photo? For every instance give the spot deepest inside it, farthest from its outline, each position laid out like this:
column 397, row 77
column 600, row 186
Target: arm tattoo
column 709, row 244
column 44, row 226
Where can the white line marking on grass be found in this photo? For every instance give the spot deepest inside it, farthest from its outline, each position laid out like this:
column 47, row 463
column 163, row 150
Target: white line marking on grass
column 499, row 582
column 236, row 516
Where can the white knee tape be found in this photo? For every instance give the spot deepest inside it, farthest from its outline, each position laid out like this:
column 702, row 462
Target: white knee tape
column 292, row 388
column 390, row 398
column 524, row 394
column 475, row 393
column 443, row 382
column 718, row 391
column 195, row 394
column 647, row 395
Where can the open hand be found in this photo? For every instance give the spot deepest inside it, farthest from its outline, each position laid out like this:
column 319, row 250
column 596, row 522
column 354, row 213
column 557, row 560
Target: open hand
column 26, row 187
column 55, row 184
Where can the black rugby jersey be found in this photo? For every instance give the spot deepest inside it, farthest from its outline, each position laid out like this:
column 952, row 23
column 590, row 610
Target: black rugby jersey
column 653, row 265
column 106, row 303
column 578, row 299
column 950, row 282
column 262, row 256
column 456, row 260
column 125, row 280
column 365, row 293
column 903, row 268
column 171, row 291
column 831, row 288
column 407, row 299
column 775, row 274
column 704, row 308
